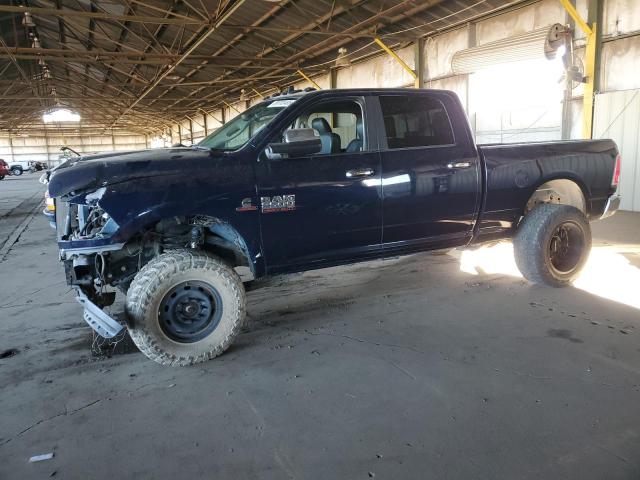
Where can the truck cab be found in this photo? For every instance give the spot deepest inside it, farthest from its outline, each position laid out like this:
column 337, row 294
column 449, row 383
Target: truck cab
column 390, row 176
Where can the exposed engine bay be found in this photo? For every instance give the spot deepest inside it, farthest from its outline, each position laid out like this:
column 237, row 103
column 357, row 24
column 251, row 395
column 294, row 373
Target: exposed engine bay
column 98, row 270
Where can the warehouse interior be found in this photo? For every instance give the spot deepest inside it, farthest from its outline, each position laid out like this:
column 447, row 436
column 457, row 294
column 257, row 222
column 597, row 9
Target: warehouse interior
column 138, row 84
column 437, row 365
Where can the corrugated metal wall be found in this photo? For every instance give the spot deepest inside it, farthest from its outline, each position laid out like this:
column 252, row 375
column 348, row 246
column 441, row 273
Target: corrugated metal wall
column 617, row 116
column 47, row 148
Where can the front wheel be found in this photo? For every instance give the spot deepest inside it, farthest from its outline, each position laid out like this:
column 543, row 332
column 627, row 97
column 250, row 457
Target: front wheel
column 552, row 244
column 16, row 171
column 1, row 177
column 185, row 307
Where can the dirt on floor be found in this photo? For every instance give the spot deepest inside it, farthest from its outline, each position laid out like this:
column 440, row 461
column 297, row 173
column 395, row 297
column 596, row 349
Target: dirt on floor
column 427, row 366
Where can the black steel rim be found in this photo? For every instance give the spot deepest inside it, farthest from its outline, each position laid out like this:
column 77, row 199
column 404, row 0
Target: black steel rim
column 190, row 311
column 566, row 247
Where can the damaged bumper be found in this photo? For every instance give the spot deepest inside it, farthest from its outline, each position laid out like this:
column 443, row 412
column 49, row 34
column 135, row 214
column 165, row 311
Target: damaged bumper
column 98, row 319
column 69, row 249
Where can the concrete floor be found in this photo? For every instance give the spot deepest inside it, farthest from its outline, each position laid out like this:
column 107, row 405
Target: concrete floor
column 404, row 368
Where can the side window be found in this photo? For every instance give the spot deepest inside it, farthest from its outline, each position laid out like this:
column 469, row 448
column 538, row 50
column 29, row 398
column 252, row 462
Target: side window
column 415, row 121
column 339, row 124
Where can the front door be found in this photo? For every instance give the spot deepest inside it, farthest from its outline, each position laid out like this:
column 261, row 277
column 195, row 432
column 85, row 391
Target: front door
column 430, row 178
column 325, row 207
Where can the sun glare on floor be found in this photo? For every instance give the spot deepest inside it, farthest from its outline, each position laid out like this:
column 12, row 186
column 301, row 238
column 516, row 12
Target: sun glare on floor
column 608, row 272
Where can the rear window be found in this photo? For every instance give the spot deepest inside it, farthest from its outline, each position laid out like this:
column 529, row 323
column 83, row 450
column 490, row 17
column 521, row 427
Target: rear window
column 415, row 121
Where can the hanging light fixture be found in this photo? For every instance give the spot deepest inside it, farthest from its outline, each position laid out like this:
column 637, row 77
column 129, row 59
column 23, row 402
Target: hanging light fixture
column 243, row 95
column 343, row 59
column 27, row 21
column 36, row 43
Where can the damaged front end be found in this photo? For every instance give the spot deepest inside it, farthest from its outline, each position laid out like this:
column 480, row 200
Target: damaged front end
column 113, row 213
column 98, row 260
column 84, row 232
column 95, row 263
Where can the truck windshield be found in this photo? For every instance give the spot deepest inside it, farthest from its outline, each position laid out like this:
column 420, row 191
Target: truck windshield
column 236, row 133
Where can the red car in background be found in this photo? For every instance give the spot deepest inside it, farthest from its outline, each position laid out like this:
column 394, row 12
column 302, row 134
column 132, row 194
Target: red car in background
column 4, row 169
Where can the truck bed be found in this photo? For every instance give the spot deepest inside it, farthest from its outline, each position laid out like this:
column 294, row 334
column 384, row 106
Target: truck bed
column 513, row 172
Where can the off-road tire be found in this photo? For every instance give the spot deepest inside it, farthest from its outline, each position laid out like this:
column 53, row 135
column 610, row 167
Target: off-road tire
column 16, row 171
column 156, row 279
column 532, row 243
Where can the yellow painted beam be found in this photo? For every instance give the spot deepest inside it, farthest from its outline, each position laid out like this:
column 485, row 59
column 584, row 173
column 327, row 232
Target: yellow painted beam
column 589, row 73
column 589, row 67
column 231, row 106
column 395, row 56
column 302, row 74
column 571, row 10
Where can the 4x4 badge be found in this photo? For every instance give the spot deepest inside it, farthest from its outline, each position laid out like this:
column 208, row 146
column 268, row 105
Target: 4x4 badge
column 247, row 205
column 278, row 203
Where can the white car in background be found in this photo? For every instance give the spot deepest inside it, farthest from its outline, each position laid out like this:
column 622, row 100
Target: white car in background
column 18, row 167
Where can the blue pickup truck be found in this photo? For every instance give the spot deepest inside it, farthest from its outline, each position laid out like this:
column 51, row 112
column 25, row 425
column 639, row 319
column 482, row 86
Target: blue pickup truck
column 306, row 180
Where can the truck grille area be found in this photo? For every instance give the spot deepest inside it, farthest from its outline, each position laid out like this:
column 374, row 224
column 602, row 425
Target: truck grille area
column 78, row 222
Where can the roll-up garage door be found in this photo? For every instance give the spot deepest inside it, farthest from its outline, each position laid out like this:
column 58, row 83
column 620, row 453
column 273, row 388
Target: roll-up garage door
column 528, row 46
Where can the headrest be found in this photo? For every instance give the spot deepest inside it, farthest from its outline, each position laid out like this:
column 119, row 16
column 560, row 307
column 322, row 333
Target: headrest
column 359, row 129
column 321, row 125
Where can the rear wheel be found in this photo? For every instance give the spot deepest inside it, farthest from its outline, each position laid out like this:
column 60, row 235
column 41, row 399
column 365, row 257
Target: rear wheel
column 185, row 307
column 552, row 244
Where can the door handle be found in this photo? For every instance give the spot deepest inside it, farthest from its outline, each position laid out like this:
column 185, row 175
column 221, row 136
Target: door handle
column 459, row 165
column 359, row 172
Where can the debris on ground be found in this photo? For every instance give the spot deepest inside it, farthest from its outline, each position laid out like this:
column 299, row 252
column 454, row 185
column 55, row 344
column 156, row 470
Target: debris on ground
column 9, row 352
column 41, row 458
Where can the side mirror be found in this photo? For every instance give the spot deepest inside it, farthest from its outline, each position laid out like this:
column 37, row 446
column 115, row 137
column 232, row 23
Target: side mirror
column 297, row 142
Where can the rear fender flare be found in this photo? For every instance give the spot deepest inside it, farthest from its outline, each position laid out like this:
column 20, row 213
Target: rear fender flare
column 570, row 190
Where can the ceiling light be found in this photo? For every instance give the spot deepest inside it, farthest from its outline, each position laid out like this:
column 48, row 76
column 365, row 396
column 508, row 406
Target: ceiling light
column 36, row 43
column 172, row 77
column 60, row 115
column 343, row 59
column 27, row 21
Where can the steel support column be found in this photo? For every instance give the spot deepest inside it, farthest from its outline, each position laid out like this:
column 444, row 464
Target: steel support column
column 333, row 78
column 419, row 63
column 591, row 29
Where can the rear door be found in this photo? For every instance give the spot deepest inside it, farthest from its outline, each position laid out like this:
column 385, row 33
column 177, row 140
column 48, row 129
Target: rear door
column 430, row 171
column 322, row 208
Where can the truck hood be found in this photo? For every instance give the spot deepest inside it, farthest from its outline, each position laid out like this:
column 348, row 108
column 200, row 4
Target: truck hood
column 87, row 173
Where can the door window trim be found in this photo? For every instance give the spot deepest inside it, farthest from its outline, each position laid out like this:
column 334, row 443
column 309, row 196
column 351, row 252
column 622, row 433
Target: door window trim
column 383, row 140
column 364, row 102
